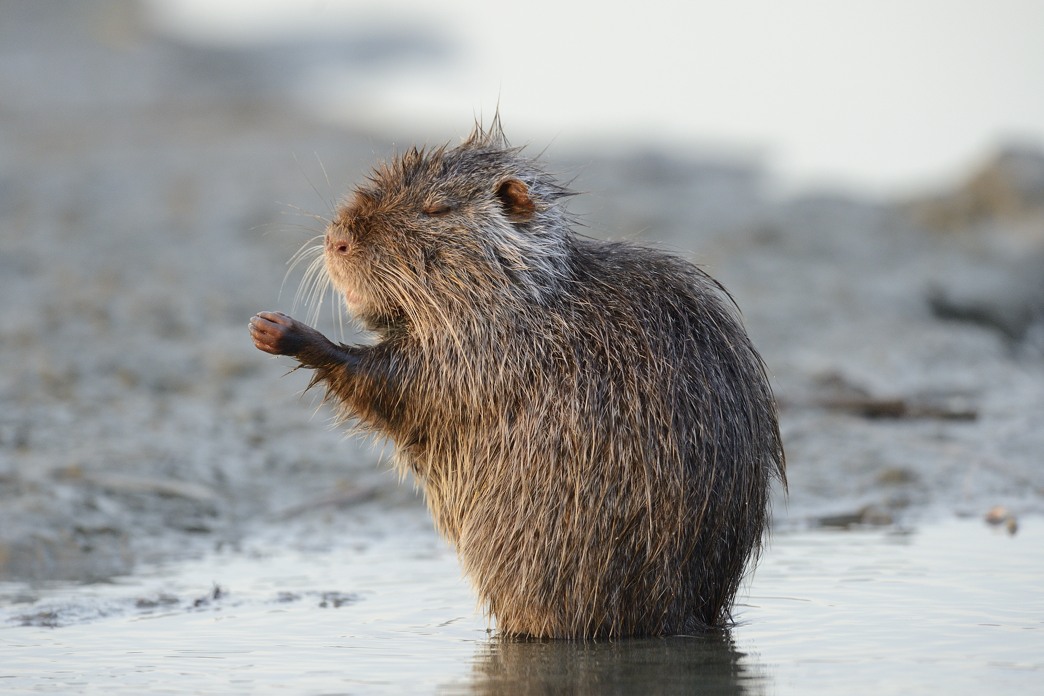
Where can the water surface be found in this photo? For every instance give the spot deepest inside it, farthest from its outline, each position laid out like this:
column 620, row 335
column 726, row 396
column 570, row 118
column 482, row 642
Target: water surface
column 952, row 607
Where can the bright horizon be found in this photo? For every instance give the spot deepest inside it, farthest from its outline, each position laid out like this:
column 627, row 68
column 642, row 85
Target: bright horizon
column 879, row 97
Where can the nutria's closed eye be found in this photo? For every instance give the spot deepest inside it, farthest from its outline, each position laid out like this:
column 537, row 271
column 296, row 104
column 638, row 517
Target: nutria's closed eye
column 437, row 209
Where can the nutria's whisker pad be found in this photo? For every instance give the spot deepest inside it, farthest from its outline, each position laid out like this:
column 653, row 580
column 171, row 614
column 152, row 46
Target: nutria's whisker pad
column 590, row 424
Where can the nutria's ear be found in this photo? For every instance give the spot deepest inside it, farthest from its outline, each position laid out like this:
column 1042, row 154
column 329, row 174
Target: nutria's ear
column 514, row 197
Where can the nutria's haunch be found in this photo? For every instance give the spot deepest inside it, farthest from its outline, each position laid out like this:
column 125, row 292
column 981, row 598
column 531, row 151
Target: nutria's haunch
column 590, row 424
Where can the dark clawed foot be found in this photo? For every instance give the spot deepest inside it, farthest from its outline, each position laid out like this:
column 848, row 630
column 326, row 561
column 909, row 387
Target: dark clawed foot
column 278, row 334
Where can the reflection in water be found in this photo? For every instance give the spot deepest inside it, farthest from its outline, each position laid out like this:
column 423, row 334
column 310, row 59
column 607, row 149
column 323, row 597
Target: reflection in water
column 706, row 664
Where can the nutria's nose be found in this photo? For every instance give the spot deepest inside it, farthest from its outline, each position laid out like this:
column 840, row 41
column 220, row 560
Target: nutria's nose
column 336, row 246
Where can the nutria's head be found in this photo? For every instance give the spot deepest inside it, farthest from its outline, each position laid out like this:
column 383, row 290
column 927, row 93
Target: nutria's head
column 445, row 229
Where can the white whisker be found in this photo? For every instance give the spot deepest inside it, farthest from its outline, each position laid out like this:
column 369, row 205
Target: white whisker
column 325, row 175
column 298, row 211
column 313, row 287
column 311, row 183
column 310, row 248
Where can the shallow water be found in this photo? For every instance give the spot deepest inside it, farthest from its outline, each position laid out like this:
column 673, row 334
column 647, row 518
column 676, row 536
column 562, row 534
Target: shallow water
column 952, row 607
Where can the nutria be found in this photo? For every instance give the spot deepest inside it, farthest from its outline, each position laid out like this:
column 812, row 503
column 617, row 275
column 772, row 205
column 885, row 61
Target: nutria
column 588, row 420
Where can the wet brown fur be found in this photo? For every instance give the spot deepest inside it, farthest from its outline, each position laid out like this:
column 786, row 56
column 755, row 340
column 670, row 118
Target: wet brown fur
column 589, row 422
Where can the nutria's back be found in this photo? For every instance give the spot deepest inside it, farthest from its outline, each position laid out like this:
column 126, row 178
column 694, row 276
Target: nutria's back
column 590, row 423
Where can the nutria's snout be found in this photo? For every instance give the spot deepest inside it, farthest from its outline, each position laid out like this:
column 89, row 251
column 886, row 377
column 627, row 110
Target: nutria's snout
column 590, row 423
column 342, row 271
column 335, row 244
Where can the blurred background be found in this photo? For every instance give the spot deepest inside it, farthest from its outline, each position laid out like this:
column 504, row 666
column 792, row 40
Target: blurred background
column 872, row 96
column 867, row 178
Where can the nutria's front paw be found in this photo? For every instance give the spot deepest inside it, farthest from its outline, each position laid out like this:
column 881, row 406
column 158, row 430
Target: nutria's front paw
column 278, row 334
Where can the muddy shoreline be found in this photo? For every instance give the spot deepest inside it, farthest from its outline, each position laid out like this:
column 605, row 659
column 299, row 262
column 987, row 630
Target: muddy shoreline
column 152, row 192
